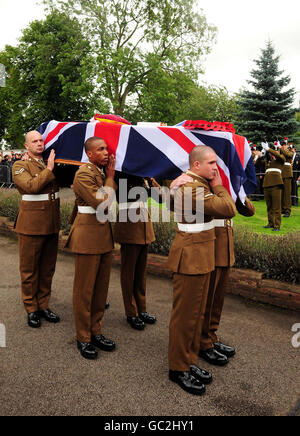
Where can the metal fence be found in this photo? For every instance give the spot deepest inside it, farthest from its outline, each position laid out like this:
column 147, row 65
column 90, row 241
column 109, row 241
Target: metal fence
column 6, row 180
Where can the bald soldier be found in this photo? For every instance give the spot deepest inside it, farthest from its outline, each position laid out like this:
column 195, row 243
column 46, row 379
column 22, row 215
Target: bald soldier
column 192, row 259
column 37, row 225
column 91, row 240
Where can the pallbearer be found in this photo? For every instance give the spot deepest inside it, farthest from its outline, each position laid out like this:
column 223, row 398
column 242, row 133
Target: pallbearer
column 37, row 225
column 92, row 242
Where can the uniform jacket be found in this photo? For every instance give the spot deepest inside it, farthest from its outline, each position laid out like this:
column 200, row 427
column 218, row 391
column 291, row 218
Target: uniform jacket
column 36, row 217
column 287, row 171
column 127, row 232
column 87, row 234
column 194, row 253
column 274, row 178
column 224, row 236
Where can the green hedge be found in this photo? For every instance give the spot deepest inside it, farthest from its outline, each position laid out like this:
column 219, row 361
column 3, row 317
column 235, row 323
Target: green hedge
column 277, row 257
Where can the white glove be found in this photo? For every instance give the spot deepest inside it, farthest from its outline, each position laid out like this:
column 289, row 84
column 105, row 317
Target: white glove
column 265, row 146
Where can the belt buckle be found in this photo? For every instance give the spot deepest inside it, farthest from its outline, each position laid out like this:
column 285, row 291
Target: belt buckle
column 228, row 223
column 52, row 196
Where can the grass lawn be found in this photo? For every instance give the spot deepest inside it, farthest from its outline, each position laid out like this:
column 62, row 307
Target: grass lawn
column 259, row 220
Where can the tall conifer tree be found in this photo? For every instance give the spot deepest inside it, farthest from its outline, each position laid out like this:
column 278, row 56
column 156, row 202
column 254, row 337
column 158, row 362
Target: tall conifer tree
column 267, row 113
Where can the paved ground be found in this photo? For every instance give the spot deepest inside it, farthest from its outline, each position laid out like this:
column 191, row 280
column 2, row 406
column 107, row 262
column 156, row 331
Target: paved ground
column 42, row 373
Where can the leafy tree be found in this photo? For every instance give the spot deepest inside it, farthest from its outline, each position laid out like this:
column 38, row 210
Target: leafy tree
column 50, row 75
column 132, row 39
column 266, row 112
column 172, row 98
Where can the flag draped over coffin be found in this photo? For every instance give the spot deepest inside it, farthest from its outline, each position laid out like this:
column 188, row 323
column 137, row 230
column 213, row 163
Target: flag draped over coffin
column 159, row 152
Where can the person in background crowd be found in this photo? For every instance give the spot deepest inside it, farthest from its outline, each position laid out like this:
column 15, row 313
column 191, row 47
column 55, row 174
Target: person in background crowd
column 259, row 163
column 287, row 177
column 273, row 185
column 192, row 260
column 134, row 238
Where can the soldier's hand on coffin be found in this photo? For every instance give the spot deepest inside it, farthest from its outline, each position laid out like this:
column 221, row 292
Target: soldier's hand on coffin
column 216, row 181
column 110, row 168
column 51, row 159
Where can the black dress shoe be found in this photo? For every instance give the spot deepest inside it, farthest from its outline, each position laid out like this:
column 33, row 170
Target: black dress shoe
column 34, row 320
column 224, row 349
column 49, row 316
column 203, row 376
column 268, row 227
column 103, row 343
column 187, row 382
column 213, row 357
column 106, row 305
column 147, row 318
column 135, row 322
column 87, row 350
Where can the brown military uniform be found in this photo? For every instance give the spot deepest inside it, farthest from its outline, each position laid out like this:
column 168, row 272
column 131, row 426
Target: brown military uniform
column 272, row 188
column 37, row 225
column 224, row 252
column 192, row 259
column 92, row 243
column 287, row 177
column 134, row 238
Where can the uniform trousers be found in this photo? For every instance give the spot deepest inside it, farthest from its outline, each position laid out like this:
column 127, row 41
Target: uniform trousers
column 214, row 306
column 133, row 278
column 37, row 256
column 273, row 201
column 286, row 198
column 91, row 282
column 187, row 316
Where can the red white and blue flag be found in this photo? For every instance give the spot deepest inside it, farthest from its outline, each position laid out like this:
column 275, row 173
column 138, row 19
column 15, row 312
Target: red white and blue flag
column 159, row 152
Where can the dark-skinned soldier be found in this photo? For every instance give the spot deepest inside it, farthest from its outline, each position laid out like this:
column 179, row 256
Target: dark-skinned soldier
column 287, row 177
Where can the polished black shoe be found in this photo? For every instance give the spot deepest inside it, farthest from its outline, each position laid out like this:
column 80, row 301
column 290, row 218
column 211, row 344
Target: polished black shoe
column 187, row 382
column 147, row 318
column 34, row 320
column 87, row 350
column 276, row 229
column 135, row 322
column 213, row 357
column 286, row 215
column 268, row 227
column 107, row 305
column 224, row 349
column 49, row 316
column 103, row 343
column 203, row 376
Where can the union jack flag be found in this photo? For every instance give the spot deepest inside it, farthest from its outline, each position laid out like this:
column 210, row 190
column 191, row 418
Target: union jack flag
column 159, row 152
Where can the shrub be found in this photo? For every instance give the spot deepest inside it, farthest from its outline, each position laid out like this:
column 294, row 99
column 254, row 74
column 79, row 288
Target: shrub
column 278, row 258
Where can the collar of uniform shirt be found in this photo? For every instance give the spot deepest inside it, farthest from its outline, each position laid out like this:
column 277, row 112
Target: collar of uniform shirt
column 190, row 173
column 101, row 171
column 41, row 161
